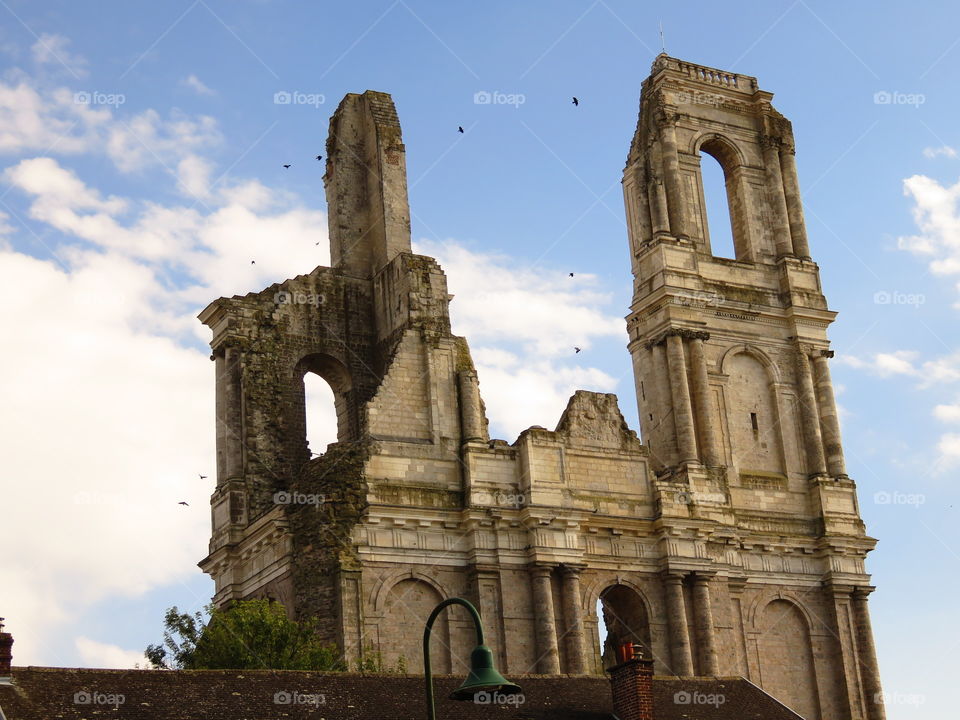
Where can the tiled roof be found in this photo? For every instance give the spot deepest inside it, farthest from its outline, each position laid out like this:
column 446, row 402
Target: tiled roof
column 83, row 694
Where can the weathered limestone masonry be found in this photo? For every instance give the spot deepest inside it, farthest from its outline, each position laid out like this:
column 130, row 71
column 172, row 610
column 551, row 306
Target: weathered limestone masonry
column 729, row 544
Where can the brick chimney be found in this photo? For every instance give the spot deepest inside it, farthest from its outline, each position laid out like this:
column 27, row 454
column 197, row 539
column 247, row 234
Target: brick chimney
column 632, row 684
column 6, row 652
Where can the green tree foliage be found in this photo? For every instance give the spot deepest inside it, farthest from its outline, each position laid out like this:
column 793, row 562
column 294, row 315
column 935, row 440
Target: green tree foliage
column 249, row 635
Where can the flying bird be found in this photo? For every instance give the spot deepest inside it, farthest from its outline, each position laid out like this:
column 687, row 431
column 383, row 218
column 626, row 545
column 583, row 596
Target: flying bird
column 319, row 157
column 253, row 262
column 183, row 503
column 575, row 101
column 203, row 477
column 286, row 166
column 577, row 349
column 459, row 129
column 571, row 274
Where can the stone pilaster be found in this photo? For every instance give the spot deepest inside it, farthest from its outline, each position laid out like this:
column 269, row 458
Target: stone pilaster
column 813, row 441
column 791, row 189
column 703, row 614
column 709, row 443
column 230, row 422
column 829, row 419
column 573, row 616
column 677, row 623
column 867, row 653
column 680, row 391
column 548, row 652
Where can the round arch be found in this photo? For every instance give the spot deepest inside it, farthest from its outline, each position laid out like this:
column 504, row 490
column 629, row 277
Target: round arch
column 772, row 370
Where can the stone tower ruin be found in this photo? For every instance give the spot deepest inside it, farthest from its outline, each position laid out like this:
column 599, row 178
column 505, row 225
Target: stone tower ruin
column 729, row 542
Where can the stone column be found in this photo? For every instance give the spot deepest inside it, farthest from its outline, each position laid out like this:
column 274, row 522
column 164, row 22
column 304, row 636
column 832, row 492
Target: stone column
column 791, row 190
column 778, row 202
column 703, row 613
column 829, row 420
column 680, row 391
column 671, row 172
column 232, row 414
column 709, row 443
column 867, row 653
column 548, row 653
column 471, row 416
column 573, row 615
column 816, row 465
column 677, row 623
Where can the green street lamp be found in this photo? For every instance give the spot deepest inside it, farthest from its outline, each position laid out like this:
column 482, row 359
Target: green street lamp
column 483, row 675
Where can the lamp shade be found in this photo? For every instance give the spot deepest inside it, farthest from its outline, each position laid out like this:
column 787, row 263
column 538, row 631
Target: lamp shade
column 483, row 677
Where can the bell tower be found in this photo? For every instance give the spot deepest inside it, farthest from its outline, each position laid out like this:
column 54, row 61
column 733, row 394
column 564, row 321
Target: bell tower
column 731, row 363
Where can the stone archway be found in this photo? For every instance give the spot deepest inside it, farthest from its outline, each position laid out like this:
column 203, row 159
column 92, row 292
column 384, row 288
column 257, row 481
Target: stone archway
column 625, row 616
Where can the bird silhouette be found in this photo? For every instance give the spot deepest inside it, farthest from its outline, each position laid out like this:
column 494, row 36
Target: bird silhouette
column 575, row 101
column 286, row 166
column 459, row 129
column 571, row 274
column 183, row 503
column 577, row 349
column 203, row 477
column 253, row 262
column 319, row 157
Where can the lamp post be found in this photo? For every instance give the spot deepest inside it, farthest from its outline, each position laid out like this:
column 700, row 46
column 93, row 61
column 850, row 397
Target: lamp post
column 483, row 676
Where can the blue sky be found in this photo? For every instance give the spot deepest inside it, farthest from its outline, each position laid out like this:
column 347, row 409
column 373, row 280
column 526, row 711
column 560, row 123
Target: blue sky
column 142, row 149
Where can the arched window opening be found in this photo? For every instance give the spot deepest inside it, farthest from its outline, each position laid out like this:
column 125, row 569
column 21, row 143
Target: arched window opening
column 321, row 391
column 718, row 207
column 622, row 618
column 321, row 413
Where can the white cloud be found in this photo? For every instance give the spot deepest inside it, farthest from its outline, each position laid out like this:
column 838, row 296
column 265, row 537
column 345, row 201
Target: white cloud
column 197, row 85
column 53, row 49
column 944, row 150
column 541, row 311
column 147, row 139
column 103, row 655
column 899, row 362
column 947, row 413
column 937, row 216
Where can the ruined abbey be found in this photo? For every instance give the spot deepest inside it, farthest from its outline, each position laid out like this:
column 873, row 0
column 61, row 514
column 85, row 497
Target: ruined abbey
column 727, row 542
